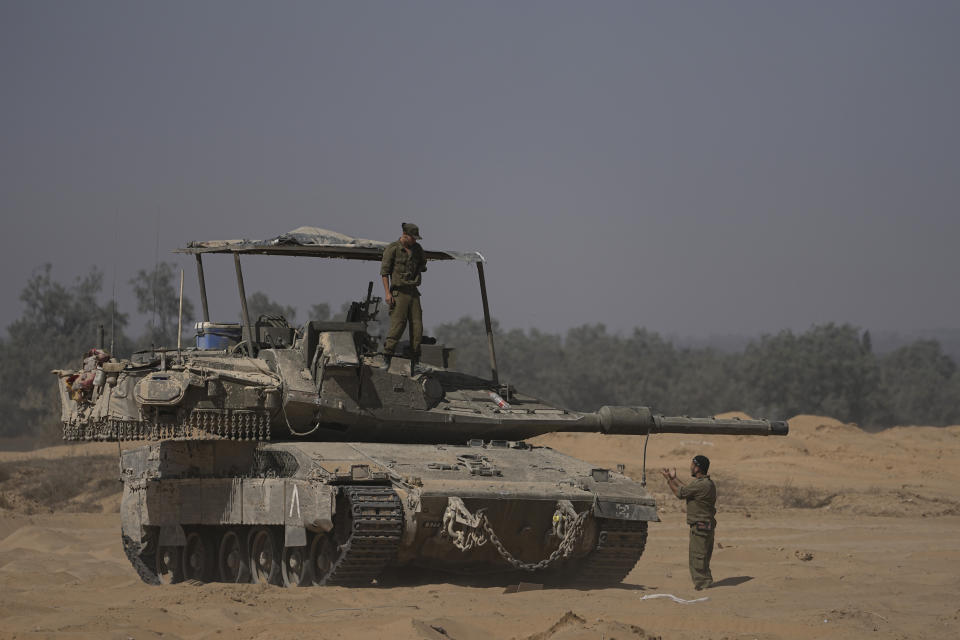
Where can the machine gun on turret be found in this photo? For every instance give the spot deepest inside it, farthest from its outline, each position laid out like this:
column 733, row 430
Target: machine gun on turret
column 367, row 309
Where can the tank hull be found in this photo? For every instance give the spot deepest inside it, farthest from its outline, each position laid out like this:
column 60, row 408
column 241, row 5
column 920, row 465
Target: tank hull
column 343, row 513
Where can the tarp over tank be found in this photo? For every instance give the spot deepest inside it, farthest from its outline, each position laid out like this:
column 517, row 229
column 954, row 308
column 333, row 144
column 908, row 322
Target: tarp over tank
column 321, row 243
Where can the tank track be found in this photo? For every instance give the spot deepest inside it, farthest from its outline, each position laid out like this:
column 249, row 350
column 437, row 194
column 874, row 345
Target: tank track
column 620, row 543
column 372, row 531
column 202, row 424
column 376, row 523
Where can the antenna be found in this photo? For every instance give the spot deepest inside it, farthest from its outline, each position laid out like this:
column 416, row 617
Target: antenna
column 180, row 316
column 156, row 276
column 113, row 309
column 113, row 306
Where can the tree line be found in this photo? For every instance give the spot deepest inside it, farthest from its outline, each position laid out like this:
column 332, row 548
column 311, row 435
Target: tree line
column 60, row 322
column 829, row 369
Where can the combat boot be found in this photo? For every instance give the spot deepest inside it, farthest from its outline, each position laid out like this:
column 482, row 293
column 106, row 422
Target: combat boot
column 414, row 363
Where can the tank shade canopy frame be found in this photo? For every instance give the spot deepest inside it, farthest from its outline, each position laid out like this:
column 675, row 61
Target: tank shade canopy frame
column 324, row 243
column 319, row 243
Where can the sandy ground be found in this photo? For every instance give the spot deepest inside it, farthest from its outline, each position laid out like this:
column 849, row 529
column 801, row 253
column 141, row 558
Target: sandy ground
column 828, row 533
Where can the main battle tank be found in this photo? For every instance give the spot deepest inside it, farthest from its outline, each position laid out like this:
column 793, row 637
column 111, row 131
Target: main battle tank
column 301, row 456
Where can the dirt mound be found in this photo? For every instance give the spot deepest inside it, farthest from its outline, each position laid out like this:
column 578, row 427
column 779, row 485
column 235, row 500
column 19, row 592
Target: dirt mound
column 571, row 626
column 67, row 484
column 57, row 452
column 806, row 425
column 823, row 464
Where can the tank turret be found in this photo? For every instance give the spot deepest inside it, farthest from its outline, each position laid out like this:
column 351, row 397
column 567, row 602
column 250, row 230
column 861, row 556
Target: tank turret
column 326, row 382
column 300, row 455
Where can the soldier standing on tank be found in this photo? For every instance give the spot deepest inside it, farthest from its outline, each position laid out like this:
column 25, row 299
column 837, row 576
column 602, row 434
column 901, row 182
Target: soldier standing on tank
column 701, row 497
column 403, row 262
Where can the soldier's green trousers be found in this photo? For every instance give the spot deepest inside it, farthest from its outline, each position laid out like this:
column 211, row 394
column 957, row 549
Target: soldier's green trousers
column 406, row 308
column 701, row 548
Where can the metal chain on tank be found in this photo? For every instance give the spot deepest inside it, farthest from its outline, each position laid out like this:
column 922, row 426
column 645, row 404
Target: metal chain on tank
column 476, row 529
column 200, row 424
column 467, row 535
column 562, row 552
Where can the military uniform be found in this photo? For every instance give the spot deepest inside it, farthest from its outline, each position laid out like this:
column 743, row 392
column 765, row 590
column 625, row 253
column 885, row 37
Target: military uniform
column 701, row 497
column 404, row 269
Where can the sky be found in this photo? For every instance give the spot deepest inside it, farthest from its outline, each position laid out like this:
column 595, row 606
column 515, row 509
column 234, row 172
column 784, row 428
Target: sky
column 695, row 168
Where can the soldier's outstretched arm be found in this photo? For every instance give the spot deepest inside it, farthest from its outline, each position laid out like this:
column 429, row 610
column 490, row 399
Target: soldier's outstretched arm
column 672, row 481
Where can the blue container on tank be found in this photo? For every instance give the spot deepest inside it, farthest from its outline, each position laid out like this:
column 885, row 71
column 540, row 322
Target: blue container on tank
column 216, row 336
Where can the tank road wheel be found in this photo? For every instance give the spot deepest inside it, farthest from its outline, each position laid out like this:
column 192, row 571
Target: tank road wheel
column 198, row 557
column 265, row 556
column 322, row 555
column 169, row 564
column 232, row 561
column 295, row 568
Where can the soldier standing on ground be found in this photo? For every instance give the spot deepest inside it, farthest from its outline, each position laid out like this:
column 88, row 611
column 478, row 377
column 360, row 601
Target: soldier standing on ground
column 701, row 497
column 403, row 262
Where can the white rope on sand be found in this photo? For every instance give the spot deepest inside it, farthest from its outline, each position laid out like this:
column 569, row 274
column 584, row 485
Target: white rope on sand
column 651, row 596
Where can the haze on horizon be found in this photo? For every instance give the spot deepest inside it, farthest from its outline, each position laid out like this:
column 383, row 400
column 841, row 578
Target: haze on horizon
column 695, row 168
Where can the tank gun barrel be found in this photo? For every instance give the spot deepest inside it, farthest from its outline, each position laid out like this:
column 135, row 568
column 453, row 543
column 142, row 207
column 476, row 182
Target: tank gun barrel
column 642, row 420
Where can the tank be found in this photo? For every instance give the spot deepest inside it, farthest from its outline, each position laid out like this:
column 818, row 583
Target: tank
column 302, row 456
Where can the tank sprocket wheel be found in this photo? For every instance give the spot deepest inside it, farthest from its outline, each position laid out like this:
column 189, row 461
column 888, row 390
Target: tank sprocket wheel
column 265, row 556
column 296, row 565
column 322, row 554
column 233, row 564
column 198, row 556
